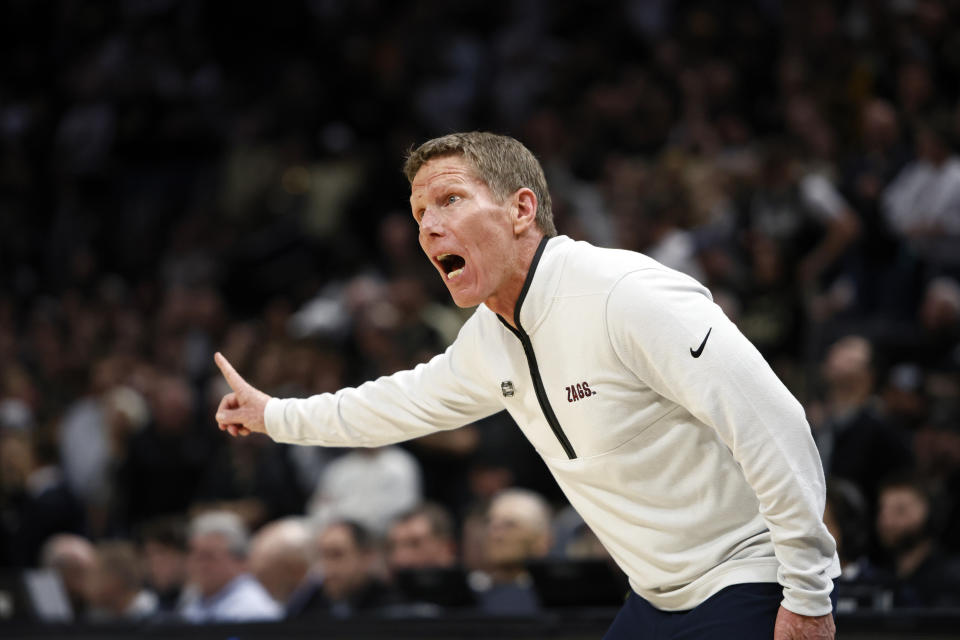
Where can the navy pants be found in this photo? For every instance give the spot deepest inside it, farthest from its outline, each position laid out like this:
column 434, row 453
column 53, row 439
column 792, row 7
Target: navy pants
column 741, row 612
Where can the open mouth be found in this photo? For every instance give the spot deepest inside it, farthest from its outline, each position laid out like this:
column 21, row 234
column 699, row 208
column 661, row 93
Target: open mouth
column 452, row 264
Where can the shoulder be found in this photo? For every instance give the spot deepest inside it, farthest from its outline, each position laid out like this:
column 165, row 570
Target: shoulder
column 587, row 269
column 248, row 600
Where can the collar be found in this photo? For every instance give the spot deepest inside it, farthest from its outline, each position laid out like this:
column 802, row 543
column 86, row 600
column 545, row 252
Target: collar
column 226, row 591
column 540, row 285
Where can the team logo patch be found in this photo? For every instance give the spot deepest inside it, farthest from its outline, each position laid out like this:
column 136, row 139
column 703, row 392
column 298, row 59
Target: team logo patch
column 506, row 388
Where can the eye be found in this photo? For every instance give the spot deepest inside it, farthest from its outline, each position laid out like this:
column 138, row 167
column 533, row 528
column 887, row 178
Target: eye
column 450, row 199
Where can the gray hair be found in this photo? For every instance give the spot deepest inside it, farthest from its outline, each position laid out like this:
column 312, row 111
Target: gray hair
column 501, row 162
column 226, row 524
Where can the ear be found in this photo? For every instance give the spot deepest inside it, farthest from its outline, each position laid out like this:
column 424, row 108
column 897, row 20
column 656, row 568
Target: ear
column 525, row 201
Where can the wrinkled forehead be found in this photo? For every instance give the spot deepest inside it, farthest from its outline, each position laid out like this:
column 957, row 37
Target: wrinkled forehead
column 449, row 166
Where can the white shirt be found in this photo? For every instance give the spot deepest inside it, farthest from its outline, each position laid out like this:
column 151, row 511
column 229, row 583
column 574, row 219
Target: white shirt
column 371, row 487
column 243, row 599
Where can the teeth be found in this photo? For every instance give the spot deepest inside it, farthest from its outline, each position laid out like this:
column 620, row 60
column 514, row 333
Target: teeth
column 454, row 274
column 442, row 256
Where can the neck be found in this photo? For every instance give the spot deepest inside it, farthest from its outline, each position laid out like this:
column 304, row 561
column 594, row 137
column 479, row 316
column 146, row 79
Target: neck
column 504, row 301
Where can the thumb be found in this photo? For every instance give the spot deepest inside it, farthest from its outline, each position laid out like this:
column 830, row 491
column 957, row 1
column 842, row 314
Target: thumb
column 234, row 379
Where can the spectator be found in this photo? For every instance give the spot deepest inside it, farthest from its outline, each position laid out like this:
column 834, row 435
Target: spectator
column 904, row 400
column 518, row 530
column 222, row 589
column 115, row 588
column 854, row 441
column 861, row 585
column 925, row 576
column 74, row 558
column 281, row 556
column 370, row 486
column 165, row 557
column 939, row 317
column 170, row 447
column 35, row 501
column 422, row 538
column 923, row 201
column 803, row 212
column 348, row 560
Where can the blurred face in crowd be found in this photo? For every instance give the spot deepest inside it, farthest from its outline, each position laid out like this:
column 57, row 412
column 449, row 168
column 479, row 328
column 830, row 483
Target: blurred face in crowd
column 901, row 517
column 848, row 362
column 280, row 557
column 515, row 533
column 74, row 559
column 165, row 565
column 112, row 586
column 415, row 545
column 211, row 565
column 344, row 565
column 467, row 234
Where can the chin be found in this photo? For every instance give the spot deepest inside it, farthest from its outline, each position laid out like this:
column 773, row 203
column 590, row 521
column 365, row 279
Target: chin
column 463, row 300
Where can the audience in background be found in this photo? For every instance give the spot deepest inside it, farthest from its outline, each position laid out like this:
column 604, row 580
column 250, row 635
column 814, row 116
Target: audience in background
column 349, row 562
column 907, row 530
column 422, row 538
column 855, row 441
column 164, row 549
column 281, row 558
column 517, row 531
column 115, row 585
column 35, row 500
column 169, row 187
column 220, row 588
column 368, row 486
column 74, row 558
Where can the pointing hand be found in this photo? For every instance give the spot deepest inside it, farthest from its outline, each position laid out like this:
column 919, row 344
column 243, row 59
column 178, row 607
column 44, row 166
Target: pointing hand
column 240, row 412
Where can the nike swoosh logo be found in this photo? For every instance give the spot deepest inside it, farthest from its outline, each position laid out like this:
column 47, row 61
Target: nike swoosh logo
column 696, row 354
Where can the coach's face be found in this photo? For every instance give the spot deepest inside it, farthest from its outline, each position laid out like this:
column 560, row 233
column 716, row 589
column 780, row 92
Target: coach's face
column 471, row 237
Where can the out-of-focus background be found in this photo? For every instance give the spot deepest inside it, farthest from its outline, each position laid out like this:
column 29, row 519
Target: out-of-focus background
column 179, row 177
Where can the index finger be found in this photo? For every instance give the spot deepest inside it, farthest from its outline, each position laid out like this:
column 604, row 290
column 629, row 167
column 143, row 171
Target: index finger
column 233, row 378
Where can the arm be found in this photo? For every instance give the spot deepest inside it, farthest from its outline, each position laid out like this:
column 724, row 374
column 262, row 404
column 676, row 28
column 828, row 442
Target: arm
column 656, row 317
column 446, row 392
column 441, row 394
column 842, row 225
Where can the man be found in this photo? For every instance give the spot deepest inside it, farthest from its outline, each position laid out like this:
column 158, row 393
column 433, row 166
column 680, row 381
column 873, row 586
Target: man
column 223, row 590
column 517, row 531
column 662, row 424
column 281, row 556
column 925, row 575
column 855, row 441
column 115, row 587
column 164, row 549
column 74, row 558
column 421, row 538
column 348, row 561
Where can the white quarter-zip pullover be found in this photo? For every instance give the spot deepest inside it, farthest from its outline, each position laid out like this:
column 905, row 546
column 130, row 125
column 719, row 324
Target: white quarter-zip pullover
column 663, row 425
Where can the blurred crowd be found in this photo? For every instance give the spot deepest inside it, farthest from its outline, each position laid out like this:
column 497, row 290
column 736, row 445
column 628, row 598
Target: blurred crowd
column 179, row 177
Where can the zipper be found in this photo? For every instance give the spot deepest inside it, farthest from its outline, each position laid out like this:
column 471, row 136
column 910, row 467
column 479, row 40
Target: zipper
column 524, row 339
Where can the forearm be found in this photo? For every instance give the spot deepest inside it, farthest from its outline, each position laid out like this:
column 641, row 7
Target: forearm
column 390, row 409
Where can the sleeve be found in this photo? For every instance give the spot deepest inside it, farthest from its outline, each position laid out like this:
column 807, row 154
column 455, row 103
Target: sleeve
column 822, row 198
column 657, row 320
column 444, row 393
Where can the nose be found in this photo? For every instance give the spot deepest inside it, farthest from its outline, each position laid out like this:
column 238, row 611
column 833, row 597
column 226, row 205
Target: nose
column 430, row 223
